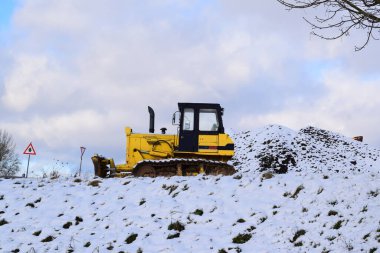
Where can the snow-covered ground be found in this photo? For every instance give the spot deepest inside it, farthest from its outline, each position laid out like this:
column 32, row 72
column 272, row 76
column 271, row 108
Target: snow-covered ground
column 327, row 201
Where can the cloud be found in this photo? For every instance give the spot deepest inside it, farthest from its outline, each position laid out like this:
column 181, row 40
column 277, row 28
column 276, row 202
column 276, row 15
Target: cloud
column 347, row 107
column 77, row 72
column 30, row 76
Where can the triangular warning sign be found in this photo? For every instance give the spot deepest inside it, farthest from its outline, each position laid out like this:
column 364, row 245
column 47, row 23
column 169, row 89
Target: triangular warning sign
column 30, row 150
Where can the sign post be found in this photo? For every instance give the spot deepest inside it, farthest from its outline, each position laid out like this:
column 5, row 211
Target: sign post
column 82, row 150
column 29, row 151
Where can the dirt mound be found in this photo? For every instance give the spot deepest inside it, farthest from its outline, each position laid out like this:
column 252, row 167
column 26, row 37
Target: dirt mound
column 279, row 149
column 322, row 150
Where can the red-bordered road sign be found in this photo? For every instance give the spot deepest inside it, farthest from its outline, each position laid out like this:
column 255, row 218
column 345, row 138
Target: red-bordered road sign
column 82, row 149
column 30, row 150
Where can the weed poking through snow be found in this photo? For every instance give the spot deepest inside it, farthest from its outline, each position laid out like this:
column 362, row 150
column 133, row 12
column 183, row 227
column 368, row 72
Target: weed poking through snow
column 241, row 238
column 298, row 234
column 131, row 238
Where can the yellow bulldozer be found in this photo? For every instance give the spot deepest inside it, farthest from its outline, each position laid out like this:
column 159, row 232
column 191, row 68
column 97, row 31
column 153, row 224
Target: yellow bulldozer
column 200, row 147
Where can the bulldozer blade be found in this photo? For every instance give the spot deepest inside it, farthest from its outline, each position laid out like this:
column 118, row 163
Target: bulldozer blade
column 100, row 166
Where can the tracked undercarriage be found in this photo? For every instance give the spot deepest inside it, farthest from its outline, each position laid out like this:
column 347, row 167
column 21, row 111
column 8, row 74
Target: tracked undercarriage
column 165, row 168
column 181, row 167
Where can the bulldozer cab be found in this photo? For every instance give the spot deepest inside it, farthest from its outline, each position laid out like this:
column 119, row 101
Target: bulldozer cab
column 198, row 119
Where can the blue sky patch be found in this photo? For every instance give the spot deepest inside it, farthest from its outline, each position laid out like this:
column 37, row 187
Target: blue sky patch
column 7, row 8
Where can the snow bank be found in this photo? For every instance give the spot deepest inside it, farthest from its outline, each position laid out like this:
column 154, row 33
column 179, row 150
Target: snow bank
column 311, row 150
column 324, row 203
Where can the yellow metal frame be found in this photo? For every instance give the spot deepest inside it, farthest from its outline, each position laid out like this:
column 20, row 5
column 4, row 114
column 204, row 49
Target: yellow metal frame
column 160, row 146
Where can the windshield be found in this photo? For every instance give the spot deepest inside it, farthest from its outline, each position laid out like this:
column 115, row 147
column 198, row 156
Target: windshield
column 208, row 120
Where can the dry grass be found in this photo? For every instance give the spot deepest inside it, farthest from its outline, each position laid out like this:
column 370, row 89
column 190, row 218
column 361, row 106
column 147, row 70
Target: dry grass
column 298, row 234
column 131, row 238
column 94, row 183
column 297, row 191
column 48, row 239
column 176, row 235
column 37, row 233
column 178, row 226
column 241, row 238
column 3, row 222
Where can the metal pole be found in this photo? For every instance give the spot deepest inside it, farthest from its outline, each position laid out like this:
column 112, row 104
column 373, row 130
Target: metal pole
column 27, row 168
column 80, row 166
column 82, row 150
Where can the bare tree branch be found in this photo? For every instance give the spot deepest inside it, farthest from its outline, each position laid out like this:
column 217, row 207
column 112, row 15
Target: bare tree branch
column 9, row 162
column 341, row 17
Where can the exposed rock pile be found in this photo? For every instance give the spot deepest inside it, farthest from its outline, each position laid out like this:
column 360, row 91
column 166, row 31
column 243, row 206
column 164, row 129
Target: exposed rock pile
column 279, row 149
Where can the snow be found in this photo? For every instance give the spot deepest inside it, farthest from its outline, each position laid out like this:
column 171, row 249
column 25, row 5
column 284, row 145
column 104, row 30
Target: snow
column 325, row 198
column 311, row 149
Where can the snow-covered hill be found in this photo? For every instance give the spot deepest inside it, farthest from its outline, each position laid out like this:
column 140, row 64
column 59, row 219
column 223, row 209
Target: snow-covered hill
column 327, row 201
column 310, row 150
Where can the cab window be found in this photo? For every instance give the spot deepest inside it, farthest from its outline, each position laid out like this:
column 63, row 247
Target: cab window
column 188, row 119
column 208, row 120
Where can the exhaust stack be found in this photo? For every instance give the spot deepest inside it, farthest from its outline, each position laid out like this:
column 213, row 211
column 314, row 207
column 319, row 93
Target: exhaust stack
column 151, row 119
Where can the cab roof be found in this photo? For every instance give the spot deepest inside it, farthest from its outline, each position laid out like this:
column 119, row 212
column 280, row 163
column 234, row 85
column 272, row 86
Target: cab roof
column 199, row 105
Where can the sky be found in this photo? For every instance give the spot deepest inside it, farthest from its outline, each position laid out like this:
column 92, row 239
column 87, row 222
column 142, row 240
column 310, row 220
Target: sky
column 75, row 73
